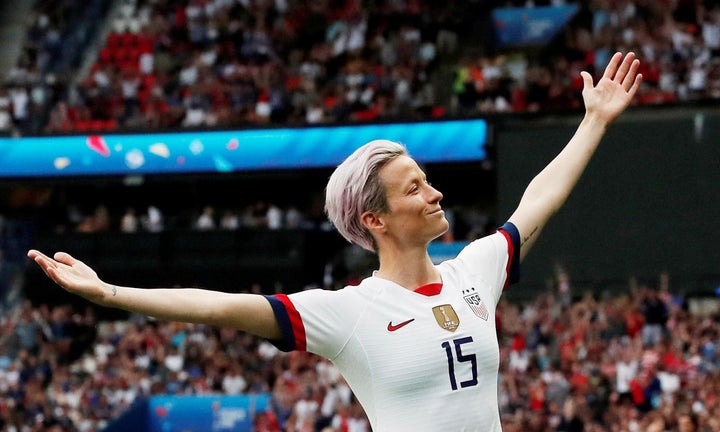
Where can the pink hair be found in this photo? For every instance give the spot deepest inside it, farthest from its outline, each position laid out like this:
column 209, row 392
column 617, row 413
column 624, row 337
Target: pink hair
column 354, row 188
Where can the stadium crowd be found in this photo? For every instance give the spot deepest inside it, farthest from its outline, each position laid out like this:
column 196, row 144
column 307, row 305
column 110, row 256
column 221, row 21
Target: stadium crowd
column 640, row 360
column 467, row 222
column 200, row 63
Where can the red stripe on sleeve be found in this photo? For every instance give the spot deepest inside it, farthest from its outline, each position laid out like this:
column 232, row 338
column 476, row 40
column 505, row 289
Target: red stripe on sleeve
column 296, row 323
column 511, row 253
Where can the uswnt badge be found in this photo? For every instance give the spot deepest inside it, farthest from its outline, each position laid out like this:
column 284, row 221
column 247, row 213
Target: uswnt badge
column 473, row 300
column 446, row 317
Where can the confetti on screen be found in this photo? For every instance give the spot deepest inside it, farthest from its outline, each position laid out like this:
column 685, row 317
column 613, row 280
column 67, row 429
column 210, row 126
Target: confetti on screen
column 61, row 163
column 196, row 147
column 160, row 149
column 134, row 159
column 97, row 144
column 221, row 164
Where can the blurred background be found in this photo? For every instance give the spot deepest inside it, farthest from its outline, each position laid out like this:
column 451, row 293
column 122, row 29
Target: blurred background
column 188, row 143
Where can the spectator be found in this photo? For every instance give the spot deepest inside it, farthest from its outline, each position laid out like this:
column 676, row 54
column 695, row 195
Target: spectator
column 233, row 382
column 655, row 316
column 274, row 217
column 153, row 220
column 129, row 222
column 626, row 369
column 206, row 220
column 229, row 220
column 570, row 421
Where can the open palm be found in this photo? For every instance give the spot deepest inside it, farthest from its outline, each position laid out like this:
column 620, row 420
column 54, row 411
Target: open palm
column 616, row 87
column 71, row 274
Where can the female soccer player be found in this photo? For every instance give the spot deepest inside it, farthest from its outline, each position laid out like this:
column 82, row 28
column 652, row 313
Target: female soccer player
column 416, row 341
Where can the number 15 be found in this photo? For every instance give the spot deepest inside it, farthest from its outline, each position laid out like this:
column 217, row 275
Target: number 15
column 461, row 358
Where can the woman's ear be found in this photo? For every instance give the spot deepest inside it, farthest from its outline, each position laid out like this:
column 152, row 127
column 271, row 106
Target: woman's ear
column 373, row 222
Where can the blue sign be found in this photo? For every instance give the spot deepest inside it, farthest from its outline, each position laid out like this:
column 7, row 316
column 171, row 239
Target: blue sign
column 440, row 251
column 531, row 25
column 228, row 151
column 205, row 413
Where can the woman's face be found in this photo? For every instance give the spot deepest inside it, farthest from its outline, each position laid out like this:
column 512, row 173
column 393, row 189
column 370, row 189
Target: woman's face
column 415, row 214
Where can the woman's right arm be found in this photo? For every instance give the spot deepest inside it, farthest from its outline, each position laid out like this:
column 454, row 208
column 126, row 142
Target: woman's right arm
column 251, row 313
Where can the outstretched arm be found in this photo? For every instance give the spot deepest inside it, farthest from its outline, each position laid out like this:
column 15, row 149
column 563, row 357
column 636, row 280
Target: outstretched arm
column 548, row 191
column 247, row 312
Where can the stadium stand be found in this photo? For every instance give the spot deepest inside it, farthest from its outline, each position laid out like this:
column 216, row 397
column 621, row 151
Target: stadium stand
column 155, row 65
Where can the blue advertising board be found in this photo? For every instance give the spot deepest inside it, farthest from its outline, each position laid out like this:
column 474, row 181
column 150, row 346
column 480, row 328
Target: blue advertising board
column 529, row 26
column 191, row 413
column 229, row 151
column 441, row 251
column 205, row 413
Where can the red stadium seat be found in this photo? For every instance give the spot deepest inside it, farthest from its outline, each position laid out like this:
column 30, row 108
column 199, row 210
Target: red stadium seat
column 109, row 125
column 437, row 111
column 106, row 55
column 82, row 125
column 128, row 39
column 365, row 115
column 113, row 40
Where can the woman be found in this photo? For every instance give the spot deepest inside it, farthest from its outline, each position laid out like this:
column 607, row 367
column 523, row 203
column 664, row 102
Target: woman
column 415, row 341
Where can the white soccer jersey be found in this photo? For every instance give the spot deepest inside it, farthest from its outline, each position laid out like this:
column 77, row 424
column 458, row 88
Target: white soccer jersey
column 423, row 360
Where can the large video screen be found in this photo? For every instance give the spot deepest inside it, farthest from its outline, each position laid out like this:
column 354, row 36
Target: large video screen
column 232, row 150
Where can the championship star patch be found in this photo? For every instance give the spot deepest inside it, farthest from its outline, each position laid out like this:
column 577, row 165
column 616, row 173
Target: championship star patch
column 473, row 300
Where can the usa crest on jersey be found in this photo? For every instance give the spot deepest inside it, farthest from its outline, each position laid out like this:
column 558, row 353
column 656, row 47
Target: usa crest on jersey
column 476, row 304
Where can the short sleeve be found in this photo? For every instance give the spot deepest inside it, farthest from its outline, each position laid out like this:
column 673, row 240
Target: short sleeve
column 291, row 325
column 512, row 236
column 317, row 321
column 493, row 258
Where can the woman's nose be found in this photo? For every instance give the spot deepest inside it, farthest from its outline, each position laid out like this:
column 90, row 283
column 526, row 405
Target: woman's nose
column 434, row 194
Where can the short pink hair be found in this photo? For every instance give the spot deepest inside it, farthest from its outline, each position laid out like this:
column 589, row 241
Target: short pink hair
column 355, row 187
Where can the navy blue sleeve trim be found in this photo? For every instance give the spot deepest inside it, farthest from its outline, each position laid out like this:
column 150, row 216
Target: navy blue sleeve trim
column 287, row 343
column 514, row 270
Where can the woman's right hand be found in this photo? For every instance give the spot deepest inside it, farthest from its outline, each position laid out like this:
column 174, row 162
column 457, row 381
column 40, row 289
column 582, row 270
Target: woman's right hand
column 73, row 275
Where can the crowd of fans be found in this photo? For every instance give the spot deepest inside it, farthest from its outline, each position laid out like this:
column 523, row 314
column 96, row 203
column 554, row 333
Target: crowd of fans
column 217, row 63
column 57, row 34
column 677, row 42
column 200, row 63
column 466, row 222
column 641, row 360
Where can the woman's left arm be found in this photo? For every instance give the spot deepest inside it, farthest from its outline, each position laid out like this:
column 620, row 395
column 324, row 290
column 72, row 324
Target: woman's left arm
column 549, row 190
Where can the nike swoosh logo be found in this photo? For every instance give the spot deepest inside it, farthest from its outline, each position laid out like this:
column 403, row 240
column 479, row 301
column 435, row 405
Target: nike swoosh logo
column 392, row 327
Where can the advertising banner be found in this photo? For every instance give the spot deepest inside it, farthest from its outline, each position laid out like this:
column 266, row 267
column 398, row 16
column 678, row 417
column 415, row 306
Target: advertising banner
column 229, row 151
column 531, row 25
column 204, row 413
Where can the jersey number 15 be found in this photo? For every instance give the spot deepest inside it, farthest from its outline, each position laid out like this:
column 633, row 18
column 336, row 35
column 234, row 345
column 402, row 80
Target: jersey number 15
column 456, row 356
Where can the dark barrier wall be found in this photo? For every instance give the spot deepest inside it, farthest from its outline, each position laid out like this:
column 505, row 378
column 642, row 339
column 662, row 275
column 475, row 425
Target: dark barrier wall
column 219, row 260
column 648, row 202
